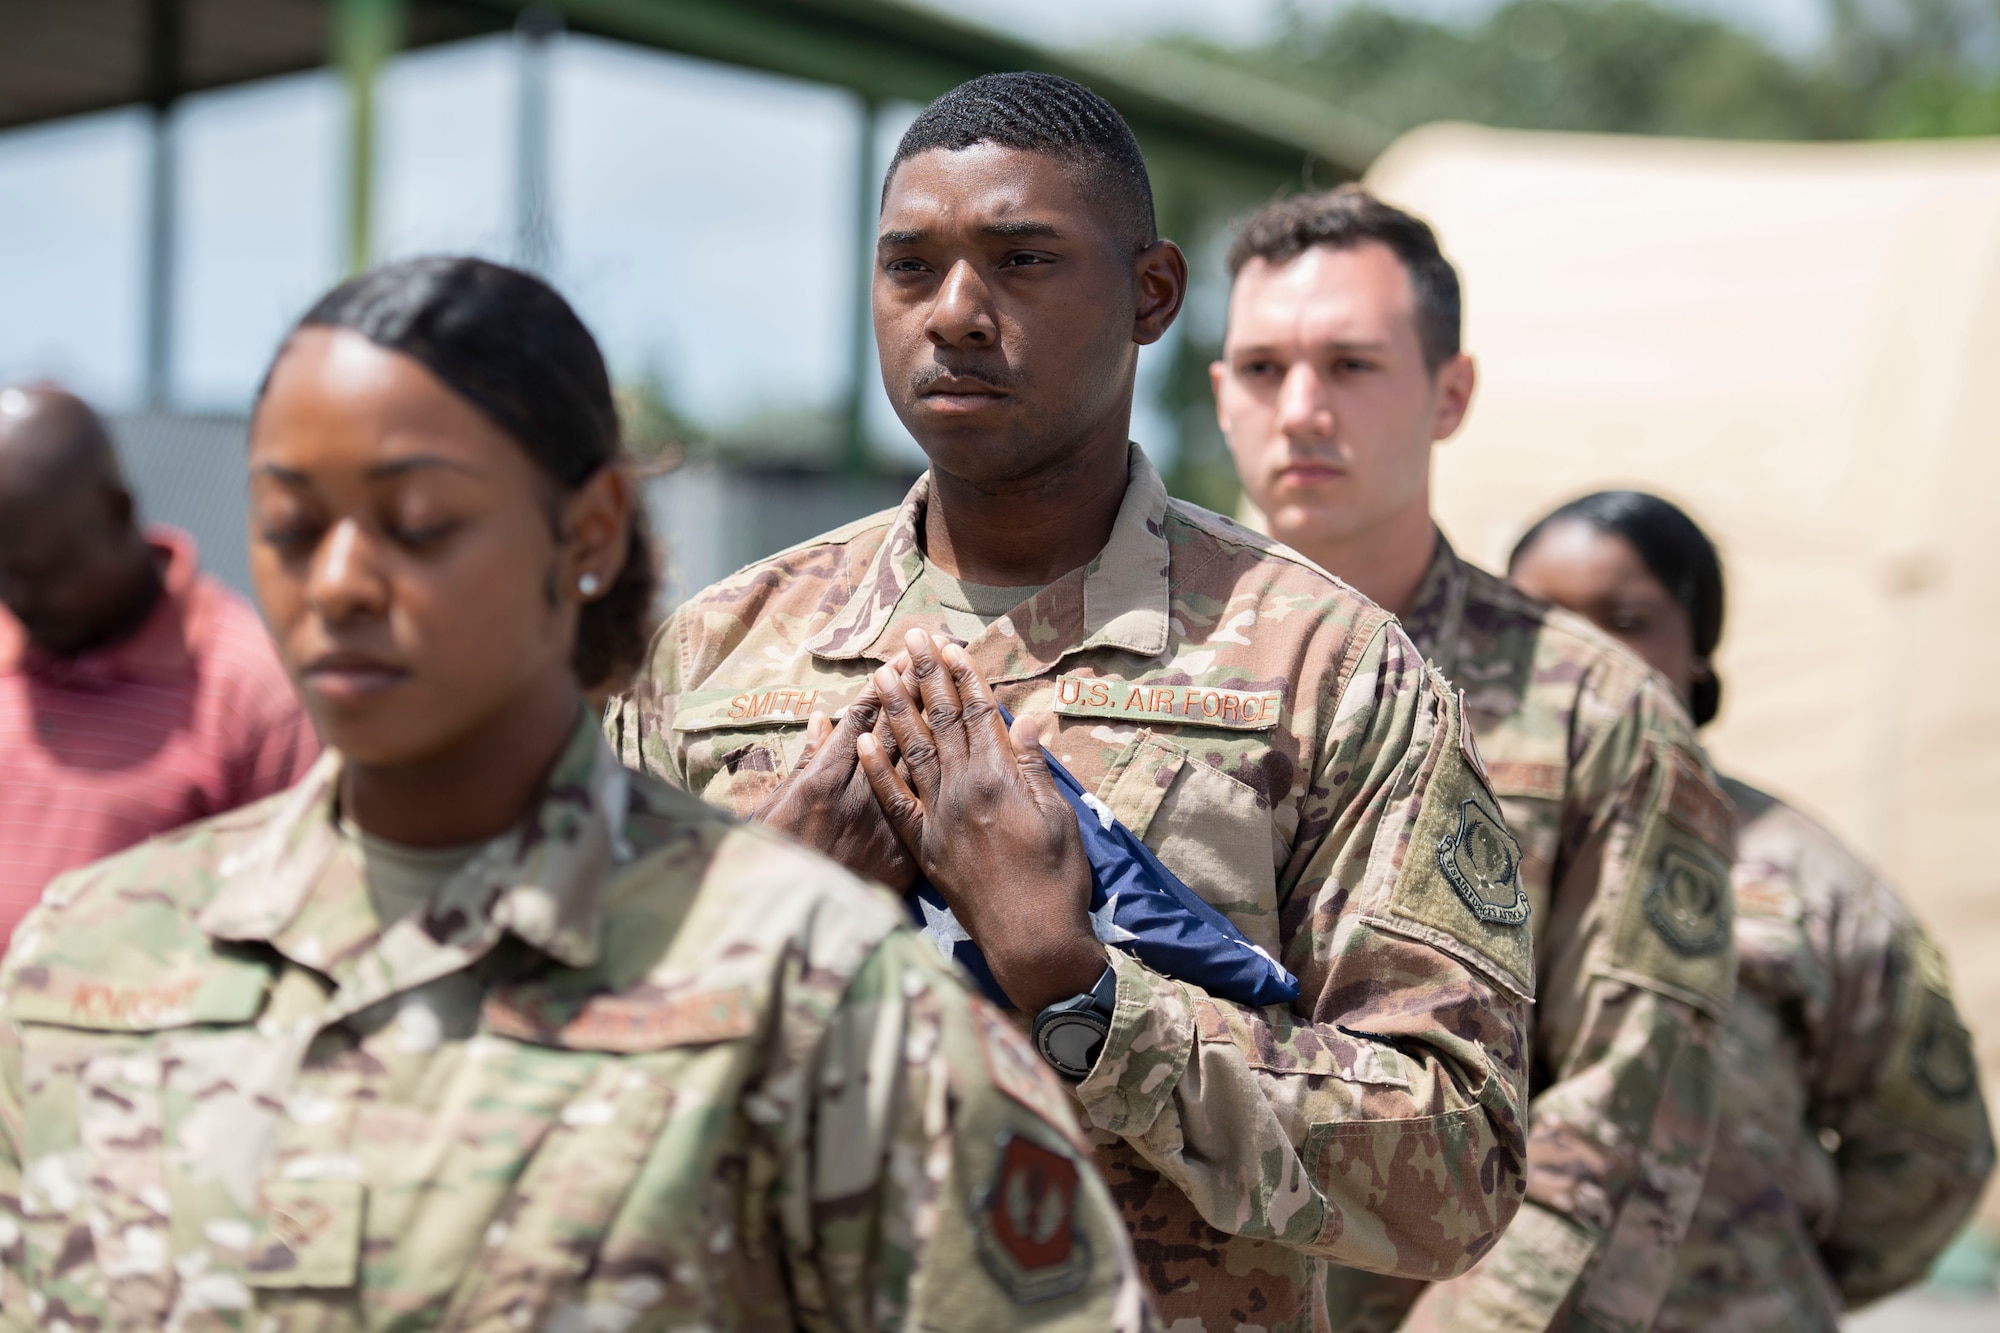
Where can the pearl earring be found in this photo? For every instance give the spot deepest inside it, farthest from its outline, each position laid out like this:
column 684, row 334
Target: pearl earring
column 588, row 585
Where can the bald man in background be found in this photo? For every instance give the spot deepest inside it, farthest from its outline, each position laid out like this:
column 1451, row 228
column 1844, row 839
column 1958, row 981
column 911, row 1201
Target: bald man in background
column 136, row 694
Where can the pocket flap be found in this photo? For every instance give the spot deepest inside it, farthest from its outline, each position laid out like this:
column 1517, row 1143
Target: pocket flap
column 642, row 1018
column 183, row 994
column 1283, row 1044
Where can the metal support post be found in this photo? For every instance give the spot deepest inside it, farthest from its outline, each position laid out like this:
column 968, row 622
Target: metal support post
column 855, row 460
column 166, row 33
column 365, row 34
column 535, row 33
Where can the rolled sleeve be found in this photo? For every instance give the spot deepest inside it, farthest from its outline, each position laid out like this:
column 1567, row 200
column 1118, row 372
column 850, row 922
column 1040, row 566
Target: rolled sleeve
column 1377, row 1121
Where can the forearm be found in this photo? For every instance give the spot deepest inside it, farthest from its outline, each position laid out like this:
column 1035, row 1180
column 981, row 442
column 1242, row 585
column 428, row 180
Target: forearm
column 1378, row 1123
column 1283, row 1130
column 1616, row 1159
column 1915, row 1151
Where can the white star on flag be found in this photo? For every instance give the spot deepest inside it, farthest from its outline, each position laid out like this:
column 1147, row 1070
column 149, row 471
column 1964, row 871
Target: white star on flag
column 941, row 928
column 1107, row 930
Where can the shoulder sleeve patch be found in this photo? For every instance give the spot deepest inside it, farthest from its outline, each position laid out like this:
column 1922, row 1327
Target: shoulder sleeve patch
column 1461, row 878
column 1025, row 1223
column 1676, row 922
column 1931, row 1081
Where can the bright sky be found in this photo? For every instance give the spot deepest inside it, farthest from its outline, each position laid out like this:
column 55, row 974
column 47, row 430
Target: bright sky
column 704, row 217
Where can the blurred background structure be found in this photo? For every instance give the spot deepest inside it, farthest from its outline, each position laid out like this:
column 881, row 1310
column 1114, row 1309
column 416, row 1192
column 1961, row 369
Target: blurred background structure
column 1794, row 341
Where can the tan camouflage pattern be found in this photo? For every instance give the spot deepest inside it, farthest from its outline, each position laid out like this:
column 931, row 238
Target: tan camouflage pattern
column 1377, row 1121
column 1854, row 1137
column 637, row 1067
column 1602, row 782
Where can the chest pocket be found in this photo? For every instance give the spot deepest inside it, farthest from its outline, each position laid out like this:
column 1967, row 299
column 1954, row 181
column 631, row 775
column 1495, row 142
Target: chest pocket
column 737, row 745
column 108, row 1086
column 652, row 1116
column 1212, row 829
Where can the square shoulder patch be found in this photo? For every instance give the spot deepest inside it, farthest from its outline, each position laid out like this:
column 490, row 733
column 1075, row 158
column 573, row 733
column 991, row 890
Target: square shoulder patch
column 1931, row 1079
column 1676, row 925
column 1461, row 878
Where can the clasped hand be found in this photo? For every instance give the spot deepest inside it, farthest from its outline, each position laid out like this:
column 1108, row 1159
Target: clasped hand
column 922, row 775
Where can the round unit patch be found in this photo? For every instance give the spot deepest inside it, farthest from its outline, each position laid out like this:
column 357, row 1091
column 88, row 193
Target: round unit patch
column 1026, row 1223
column 1688, row 905
column 1483, row 863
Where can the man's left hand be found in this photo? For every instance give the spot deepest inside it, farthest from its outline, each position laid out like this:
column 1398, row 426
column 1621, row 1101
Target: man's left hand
column 983, row 819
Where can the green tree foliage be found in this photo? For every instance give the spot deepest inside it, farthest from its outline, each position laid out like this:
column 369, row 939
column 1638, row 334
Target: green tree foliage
column 1892, row 68
column 1889, row 69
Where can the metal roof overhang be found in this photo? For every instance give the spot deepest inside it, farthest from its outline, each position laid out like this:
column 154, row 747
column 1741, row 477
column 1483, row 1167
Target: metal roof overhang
column 67, row 57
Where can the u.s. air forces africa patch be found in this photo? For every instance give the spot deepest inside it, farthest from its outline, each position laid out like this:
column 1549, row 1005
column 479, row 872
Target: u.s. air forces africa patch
column 1483, row 863
column 1688, row 904
column 1025, row 1224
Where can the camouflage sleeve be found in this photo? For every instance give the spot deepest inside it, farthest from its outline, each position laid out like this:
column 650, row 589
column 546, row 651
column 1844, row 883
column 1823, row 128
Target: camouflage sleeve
column 1637, row 972
column 1896, row 1085
column 945, row 1184
column 14, row 1312
column 639, row 723
column 1378, row 1121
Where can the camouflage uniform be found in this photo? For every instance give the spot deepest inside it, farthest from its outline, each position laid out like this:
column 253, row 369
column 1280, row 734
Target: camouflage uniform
column 1625, row 844
column 1274, row 737
column 1854, row 1138
column 636, row 1067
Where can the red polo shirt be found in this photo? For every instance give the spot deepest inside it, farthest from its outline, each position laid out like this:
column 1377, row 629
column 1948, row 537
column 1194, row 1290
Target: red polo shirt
column 188, row 716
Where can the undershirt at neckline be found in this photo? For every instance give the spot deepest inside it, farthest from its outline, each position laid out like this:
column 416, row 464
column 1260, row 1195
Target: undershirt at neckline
column 970, row 607
column 402, row 879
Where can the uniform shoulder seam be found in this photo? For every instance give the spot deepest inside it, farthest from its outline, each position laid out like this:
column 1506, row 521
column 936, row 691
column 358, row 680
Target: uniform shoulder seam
column 1227, row 531
column 1558, row 622
column 844, row 535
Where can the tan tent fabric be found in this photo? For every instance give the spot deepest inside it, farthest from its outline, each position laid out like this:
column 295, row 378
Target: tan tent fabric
column 1800, row 344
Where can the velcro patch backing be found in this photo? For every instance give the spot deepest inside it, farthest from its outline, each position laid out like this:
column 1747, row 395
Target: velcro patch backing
column 1181, row 704
column 1462, row 874
column 1931, row 1080
column 1676, row 924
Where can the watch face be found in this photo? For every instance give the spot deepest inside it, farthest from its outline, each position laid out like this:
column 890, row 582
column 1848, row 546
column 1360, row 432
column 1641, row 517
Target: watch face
column 1071, row 1042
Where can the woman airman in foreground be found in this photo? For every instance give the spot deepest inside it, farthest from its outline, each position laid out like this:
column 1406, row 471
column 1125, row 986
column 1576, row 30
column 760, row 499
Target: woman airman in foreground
column 474, row 1029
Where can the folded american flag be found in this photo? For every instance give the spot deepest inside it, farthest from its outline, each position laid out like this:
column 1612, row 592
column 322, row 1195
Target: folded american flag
column 1136, row 904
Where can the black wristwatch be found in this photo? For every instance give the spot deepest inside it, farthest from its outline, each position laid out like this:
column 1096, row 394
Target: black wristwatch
column 1070, row 1033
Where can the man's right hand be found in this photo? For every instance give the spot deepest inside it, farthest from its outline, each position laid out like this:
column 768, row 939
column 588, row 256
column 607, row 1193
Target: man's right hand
column 826, row 803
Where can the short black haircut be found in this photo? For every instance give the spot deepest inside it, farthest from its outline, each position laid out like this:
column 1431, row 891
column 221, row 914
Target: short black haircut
column 1050, row 115
column 1674, row 550
column 508, row 344
column 1345, row 219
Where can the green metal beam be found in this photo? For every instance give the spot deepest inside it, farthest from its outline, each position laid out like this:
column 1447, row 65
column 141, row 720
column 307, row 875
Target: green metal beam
column 1178, row 105
column 365, row 34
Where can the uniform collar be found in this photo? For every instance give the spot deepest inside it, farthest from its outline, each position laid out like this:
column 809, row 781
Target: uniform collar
column 296, row 889
column 165, row 647
column 1118, row 600
column 1439, row 610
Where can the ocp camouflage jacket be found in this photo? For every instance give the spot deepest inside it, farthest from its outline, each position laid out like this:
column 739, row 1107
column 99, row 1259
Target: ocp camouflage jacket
column 1275, row 738
column 635, row 1067
column 1854, row 1138
column 1625, row 841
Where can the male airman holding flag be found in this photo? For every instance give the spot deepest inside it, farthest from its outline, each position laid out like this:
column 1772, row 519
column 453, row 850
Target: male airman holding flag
column 1271, row 737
